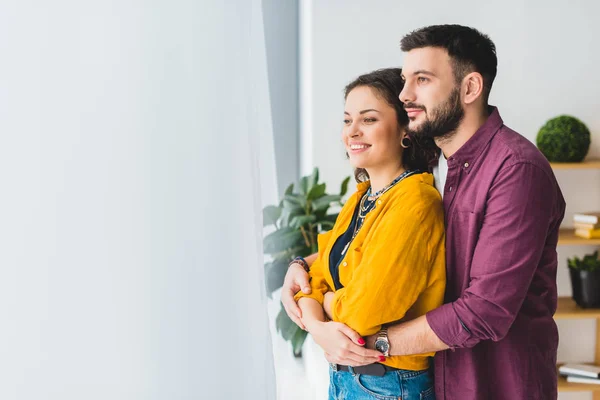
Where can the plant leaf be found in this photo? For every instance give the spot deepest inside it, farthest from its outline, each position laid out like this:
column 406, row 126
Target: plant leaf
column 301, row 220
column 304, row 185
column 297, row 341
column 315, row 176
column 289, row 213
column 270, row 215
column 282, row 239
column 344, row 187
column 275, row 273
column 289, row 189
column 285, row 325
column 294, row 200
column 316, row 192
column 324, row 202
column 327, row 225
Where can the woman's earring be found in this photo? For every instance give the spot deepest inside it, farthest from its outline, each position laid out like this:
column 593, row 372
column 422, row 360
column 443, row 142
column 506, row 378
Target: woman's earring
column 405, row 142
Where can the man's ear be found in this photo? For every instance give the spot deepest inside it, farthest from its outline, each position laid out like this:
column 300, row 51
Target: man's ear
column 472, row 87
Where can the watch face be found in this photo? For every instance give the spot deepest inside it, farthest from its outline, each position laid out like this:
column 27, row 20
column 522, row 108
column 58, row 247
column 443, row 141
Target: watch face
column 382, row 346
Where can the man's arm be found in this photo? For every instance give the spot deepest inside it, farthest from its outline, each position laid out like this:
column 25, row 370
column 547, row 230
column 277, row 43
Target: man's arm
column 513, row 234
column 523, row 207
column 412, row 337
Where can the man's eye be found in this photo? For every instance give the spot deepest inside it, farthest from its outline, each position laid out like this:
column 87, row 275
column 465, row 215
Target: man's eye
column 422, row 79
column 346, row 121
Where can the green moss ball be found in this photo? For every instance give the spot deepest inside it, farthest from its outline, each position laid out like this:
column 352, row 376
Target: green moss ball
column 564, row 139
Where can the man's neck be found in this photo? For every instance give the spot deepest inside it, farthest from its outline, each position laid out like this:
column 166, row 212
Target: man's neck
column 465, row 131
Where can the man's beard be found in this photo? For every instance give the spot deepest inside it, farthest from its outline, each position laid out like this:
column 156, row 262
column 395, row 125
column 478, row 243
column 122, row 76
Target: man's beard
column 444, row 119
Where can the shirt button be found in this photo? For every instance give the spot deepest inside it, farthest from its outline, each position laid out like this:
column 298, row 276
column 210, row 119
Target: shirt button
column 379, row 201
column 344, row 263
column 450, row 189
column 466, row 165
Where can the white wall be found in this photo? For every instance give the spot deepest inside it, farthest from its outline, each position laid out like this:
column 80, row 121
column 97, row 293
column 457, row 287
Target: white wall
column 548, row 65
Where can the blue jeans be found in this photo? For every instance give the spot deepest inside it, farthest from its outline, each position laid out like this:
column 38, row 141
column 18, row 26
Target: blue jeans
column 394, row 385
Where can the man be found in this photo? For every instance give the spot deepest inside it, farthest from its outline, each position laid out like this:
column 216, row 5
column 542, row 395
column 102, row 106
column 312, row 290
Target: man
column 495, row 335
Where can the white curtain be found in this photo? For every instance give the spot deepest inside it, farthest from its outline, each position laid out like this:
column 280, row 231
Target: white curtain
column 130, row 250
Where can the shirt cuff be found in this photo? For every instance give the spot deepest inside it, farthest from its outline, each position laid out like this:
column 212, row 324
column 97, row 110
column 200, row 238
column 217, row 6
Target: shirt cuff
column 446, row 324
column 316, row 294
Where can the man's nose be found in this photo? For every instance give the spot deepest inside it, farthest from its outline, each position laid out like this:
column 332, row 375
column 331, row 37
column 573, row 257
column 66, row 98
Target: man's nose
column 407, row 95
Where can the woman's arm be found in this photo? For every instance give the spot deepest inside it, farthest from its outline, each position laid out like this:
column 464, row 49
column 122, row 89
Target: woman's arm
column 311, row 259
column 312, row 313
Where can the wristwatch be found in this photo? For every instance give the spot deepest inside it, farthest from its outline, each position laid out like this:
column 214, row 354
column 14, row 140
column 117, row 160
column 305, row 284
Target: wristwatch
column 382, row 343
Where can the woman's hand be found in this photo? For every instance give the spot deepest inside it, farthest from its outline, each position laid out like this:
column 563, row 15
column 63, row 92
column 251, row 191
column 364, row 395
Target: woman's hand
column 342, row 345
column 296, row 279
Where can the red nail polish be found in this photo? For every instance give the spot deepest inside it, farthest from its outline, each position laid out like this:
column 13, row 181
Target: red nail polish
column 382, row 358
column 361, row 341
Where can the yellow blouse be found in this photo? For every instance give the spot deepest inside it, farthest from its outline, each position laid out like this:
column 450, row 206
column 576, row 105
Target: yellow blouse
column 394, row 269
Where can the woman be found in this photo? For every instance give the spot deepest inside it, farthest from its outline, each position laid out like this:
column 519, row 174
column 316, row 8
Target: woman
column 383, row 261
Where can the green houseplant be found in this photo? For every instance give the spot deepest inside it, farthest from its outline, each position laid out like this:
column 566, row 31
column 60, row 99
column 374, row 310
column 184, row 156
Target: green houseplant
column 585, row 280
column 295, row 222
column 564, row 139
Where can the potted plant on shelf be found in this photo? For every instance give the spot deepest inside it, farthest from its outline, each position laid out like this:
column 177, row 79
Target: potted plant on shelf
column 585, row 280
column 294, row 225
column 564, row 139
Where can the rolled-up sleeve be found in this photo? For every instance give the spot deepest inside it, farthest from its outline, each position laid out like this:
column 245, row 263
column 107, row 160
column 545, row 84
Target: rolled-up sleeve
column 521, row 211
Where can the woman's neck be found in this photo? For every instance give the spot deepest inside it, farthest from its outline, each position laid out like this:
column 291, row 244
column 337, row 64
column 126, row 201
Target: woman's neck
column 380, row 178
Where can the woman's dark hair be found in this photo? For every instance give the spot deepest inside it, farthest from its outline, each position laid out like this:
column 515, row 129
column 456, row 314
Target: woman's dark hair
column 469, row 50
column 388, row 84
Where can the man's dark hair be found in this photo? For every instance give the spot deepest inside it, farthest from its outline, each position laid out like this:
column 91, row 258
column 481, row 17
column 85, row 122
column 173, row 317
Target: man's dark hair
column 469, row 50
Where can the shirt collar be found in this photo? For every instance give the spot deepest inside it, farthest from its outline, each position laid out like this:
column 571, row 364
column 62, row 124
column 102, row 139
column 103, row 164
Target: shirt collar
column 469, row 153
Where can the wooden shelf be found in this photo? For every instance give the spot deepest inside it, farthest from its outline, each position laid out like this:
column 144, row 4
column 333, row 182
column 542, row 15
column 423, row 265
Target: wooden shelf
column 567, row 237
column 587, row 164
column 568, row 309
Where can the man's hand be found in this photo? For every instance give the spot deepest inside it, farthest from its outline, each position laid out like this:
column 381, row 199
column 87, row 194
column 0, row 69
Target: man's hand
column 296, row 279
column 342, row 345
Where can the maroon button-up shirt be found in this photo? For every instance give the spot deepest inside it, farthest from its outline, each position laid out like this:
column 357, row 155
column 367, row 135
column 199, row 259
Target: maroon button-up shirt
column 503, row 210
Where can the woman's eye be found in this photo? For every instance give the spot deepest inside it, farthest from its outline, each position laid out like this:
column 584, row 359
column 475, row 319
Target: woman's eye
column 369, row 120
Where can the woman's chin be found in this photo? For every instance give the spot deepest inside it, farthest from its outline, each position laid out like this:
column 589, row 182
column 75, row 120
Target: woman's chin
column 357, row 162
column 358, row 165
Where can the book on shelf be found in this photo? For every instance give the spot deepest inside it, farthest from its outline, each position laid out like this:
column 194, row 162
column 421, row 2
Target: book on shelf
column 582, row 379
column 580, row 370
column 589, row 217
column 588, row 233
column 580, row 225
